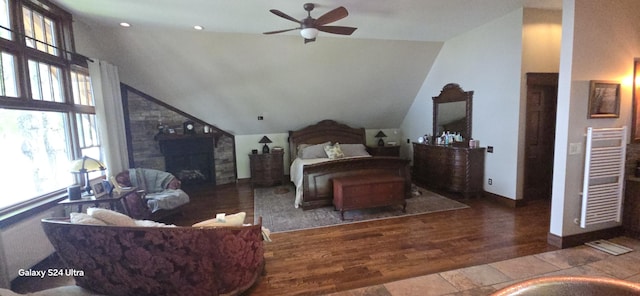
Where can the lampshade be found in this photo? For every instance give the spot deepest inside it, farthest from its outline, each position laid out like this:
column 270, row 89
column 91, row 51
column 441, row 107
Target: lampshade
column 380, row 134
column 309, row 33
column 86, row 164
column 265, row 140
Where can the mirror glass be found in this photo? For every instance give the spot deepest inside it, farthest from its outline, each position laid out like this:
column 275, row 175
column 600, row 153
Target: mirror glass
column 452, row 111
column 452, row 117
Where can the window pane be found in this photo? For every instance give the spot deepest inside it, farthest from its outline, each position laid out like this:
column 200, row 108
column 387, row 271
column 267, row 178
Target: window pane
column 5, row 20
column 88, row 130
column 82, row 92
column 40, row 28
column 46, row 82
column 34, row 154
column 8, row 84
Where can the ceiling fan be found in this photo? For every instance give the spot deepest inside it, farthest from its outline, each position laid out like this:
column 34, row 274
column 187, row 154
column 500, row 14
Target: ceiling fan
column 309, row 26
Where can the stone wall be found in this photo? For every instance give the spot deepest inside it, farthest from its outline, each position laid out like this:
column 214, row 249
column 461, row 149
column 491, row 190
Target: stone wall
column 144, row 116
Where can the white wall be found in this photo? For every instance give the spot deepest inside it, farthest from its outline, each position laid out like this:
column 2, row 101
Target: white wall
column 600, row 42
column 486, row 60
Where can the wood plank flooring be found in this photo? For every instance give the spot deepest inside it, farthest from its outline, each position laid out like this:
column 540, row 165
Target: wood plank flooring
column 330, row 259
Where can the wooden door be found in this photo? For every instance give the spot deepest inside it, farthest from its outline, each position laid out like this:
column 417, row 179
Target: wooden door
column 542, row 96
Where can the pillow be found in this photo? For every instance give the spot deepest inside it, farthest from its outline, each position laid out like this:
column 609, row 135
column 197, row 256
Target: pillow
column 315, row 151
column 223, row 220
column 111, row 217
column 334, row 152
column 354, row 150
column 300, row 148
column 82, row 218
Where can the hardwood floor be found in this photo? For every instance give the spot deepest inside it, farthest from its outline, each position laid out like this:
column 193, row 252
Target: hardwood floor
column 330, row 259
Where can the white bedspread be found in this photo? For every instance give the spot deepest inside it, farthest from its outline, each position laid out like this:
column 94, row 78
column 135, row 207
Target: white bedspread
column 296, row 172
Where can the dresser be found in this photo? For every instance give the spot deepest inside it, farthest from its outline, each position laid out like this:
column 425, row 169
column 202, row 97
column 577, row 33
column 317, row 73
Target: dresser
column 267, row 169
column 456, row 169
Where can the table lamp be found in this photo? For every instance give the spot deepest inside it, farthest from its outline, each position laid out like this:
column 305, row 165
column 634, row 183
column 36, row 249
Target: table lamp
column 380, row 135
column 265, row 141
column 85, row 165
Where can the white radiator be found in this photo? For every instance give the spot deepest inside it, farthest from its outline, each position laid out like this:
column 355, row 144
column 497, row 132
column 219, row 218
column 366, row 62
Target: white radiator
column 23, row 245
column 602, row 188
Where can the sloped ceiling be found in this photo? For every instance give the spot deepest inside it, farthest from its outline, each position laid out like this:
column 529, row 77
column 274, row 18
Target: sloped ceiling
column 229, row 73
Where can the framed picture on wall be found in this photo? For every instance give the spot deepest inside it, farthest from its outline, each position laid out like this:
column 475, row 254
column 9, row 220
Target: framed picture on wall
column 604, row 99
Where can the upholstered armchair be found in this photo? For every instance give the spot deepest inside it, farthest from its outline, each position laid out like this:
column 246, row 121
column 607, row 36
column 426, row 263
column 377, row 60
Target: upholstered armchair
column 124, row 260
column 160, row 193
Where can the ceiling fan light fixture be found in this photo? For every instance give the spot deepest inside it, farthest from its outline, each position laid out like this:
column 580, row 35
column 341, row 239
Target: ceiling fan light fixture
column 309, row 33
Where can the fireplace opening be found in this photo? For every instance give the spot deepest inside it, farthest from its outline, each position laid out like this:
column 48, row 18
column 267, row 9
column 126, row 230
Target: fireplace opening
column 189, row 157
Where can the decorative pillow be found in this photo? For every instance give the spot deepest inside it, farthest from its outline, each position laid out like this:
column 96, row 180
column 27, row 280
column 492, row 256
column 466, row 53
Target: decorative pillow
column 315, row 151
column 82, row 218
column 222, row 220
column 111, row 217
column 334, row 152
column 350, row 150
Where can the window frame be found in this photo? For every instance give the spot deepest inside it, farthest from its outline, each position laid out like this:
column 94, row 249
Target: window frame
column 66, row 60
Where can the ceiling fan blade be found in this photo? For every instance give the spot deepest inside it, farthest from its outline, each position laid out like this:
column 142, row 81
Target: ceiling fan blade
column 337, row 30
column 332, row 16
column 279, row 31
column 284, row 15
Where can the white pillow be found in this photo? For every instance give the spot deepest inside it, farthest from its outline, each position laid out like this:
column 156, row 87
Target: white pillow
column 315, row 151
column 82, row 218
column 228, row 220
column 350, row 150
column 111, row 217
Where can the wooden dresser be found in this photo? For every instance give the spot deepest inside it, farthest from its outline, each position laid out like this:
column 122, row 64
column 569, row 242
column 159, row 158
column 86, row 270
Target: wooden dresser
column 267, row 169
column 457, row 169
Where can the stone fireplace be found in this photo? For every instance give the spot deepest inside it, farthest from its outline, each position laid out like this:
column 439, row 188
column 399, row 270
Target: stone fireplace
column 143, row 115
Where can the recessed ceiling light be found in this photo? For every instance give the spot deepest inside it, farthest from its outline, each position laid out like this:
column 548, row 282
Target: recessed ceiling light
column 199, row 28
column 126, row 25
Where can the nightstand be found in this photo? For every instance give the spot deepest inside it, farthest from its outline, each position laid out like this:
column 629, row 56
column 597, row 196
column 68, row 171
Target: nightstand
column 267, row 169
column 384, row 150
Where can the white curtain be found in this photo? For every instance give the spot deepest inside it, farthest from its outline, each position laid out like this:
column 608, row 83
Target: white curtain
column 110, row 115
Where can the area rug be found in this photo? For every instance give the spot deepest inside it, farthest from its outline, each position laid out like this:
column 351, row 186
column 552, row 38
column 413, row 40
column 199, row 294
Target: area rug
column 275, row 206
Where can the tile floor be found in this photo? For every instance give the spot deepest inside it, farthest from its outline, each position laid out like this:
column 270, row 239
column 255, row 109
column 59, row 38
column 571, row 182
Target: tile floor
column 488, row 278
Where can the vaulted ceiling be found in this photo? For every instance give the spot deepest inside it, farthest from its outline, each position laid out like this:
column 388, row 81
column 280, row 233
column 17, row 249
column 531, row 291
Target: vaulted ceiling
column 230, row 73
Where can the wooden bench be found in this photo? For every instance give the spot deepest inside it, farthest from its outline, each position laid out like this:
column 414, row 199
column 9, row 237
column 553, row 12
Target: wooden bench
column 368, row 191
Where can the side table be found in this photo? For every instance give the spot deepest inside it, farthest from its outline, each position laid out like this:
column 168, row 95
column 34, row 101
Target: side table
column 112, row 200
column 267, row 169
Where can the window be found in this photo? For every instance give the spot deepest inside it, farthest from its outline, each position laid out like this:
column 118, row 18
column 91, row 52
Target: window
column 47, row 111
column 34, row 154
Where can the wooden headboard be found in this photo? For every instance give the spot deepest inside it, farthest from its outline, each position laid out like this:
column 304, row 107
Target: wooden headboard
column 323, row 131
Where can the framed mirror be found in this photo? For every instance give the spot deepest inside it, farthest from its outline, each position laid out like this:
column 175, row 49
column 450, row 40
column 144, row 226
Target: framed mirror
column 635, row 117
column 452, row 111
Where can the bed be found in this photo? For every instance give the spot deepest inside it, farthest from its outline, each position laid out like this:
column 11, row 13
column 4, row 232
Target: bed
column 312, row 176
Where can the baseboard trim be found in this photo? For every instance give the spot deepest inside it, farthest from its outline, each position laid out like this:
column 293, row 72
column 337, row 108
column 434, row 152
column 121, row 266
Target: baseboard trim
column 570, row 241
column 505, row 200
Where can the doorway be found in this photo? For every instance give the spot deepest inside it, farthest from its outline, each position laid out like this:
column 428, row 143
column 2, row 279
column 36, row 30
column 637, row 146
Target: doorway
column 542, row 99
